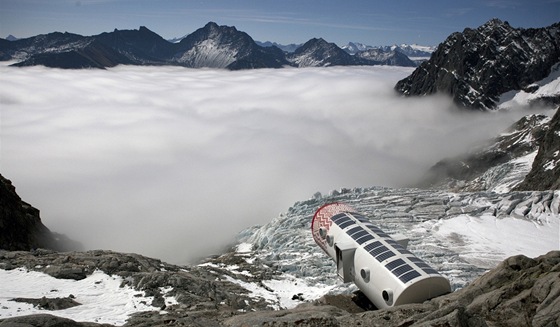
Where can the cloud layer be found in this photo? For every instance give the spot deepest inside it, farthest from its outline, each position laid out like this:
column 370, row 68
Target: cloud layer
column 173, row 162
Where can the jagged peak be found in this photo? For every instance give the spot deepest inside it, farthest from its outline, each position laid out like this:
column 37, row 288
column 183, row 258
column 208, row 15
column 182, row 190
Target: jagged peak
column 317, row 40
column 494, row 24
column 142, row 29
column 212, row 26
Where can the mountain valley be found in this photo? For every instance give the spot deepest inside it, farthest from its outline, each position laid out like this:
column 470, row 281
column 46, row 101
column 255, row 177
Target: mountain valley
column 488, row 220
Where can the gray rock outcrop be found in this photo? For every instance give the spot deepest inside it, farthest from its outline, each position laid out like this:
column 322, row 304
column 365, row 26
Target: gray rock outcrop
column 545, row 172
column 494, row 163
column 478, row 65
column 518, row 292
column 45, row 320
column 21, row 227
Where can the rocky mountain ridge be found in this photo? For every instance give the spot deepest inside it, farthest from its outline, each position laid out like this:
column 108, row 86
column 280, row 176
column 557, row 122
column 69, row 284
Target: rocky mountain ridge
column 477, row 66
column 523, row 157
column 212, row 46
column 21, row 227
column 413, row 50
column 284, row 47
column 545, row 170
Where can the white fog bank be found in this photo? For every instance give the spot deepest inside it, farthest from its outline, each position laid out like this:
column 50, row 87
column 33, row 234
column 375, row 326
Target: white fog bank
column 172, row 162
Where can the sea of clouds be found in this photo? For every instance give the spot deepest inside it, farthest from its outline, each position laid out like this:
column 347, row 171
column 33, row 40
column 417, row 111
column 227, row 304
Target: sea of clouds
column 172, row 162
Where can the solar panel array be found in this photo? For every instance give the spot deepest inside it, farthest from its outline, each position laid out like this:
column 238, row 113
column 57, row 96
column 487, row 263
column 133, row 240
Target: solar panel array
column 378, row 240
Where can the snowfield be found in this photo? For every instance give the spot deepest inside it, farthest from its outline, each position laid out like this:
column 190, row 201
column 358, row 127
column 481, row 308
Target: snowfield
column 485, row 239
column 547, row 87
column 102, row 297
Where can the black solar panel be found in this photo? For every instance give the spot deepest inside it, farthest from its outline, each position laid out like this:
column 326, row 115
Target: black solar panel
column 346, row 224
column 365, row 238
column 339, row 216
column 385, row 255
column 378, row 250
column 394, row 264
column 409, row 276
column 343, row 219
column 404, row 251
column 359, row 234
column 340, row 219
column 355, row 230
column 402, row 270
column 372, row 246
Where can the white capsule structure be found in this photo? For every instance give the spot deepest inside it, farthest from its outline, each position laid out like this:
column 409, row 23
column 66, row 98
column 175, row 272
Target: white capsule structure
column 380, row 265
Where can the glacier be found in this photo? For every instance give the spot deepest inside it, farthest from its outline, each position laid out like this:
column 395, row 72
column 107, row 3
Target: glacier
column 462, row 235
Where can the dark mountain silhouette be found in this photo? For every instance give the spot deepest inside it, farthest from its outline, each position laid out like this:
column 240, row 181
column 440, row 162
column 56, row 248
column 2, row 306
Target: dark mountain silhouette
column 140, row 46
column 211, row 46
column 89, row 55
column 478, row 65
column 21, row 228
column 225, row 47
column 320, row 53
column 284, row 47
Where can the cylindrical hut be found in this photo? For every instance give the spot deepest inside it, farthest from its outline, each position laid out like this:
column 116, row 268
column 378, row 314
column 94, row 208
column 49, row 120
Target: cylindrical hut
column 382, row 268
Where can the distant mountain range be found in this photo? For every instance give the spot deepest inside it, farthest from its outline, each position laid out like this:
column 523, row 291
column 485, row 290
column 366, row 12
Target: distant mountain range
column 479, row 65
column 476, row 67
column 416, row 53
column 211, row 46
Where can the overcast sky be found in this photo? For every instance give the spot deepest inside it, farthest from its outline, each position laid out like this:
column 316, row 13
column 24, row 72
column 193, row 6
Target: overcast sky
column 288, row 21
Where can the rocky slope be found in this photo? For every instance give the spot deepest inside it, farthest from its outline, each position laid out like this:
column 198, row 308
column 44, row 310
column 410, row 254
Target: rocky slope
column 545, row 171
column 225, row 47
column 477, row 66
column 284, row 47
column 320, row 53
column 518, row 292
column 21, row 227
column 498, row 165
column 524, row 157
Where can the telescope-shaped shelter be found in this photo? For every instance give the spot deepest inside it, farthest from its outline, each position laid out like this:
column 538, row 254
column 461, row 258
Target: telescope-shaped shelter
column 382, row 268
